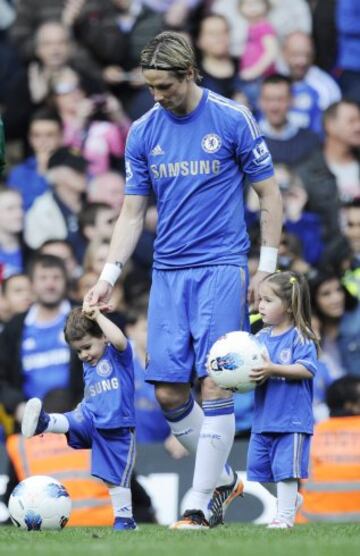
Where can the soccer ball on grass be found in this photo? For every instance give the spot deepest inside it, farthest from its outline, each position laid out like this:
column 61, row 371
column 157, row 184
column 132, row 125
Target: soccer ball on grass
column 39, row 503
column 231, row 359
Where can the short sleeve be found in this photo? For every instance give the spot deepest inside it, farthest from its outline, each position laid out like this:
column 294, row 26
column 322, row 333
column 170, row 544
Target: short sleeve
column 251, row 150
column 305, row 354
column 124, row 357
column 137, row 173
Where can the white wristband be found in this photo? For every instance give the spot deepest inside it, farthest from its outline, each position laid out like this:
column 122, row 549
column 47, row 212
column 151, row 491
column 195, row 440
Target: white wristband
column 268, row 259
column 111, row 272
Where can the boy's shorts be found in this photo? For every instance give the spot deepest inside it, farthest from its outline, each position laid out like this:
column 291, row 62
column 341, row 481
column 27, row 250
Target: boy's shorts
column 112, row 450
column 188, row 310
column 274, row 457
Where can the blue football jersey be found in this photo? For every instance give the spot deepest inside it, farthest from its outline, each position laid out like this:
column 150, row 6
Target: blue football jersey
column 109, row 389
column 45, row 355
column 283, row 405
column 196, row 166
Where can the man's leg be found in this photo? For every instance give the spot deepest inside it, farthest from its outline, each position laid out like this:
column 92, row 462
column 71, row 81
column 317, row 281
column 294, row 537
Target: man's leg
column 215, row 442
column 186, row 419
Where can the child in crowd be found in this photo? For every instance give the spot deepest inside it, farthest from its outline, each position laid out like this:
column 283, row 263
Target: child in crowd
column 283, row 419
column 258, row 58
column 104, row 421
column 11, row 228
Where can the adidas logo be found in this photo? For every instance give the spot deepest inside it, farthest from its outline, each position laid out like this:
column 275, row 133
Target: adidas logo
column 156, row 151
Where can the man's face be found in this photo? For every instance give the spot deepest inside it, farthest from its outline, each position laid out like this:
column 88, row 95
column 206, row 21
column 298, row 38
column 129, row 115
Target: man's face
column 18, row 294
column 351, row 227
column 298, row 54
column 53, row 46
column 167, row 89
column 275, row 102
column 45, row 136
column 345, row 126
column 49, row 285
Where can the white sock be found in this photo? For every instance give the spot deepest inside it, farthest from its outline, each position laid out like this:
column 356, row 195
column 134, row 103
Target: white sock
column 58, row 423
column 216, row 440
column 187, row 431
column 121, row 501
column 286, row 498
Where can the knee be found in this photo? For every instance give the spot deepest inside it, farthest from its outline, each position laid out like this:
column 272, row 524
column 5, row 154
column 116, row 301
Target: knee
column 210, row 391
column 171, row 396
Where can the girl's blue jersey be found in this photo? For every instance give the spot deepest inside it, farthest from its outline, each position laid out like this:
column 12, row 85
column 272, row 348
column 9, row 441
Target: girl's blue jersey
column 109, row 389
column 283, row 405
column 196, row 166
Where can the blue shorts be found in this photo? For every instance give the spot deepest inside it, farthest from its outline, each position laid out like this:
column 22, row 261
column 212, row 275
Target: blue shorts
column 274, row 457
column 112, row 450
column 188, row 310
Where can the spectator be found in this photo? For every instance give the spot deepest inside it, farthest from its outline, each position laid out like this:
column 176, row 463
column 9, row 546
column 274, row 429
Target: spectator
column 259, row 54
column 30, row 14
column 45, row 137
column 288, row 143
column 97, row 220
column 115, row 39
column 347, row 23
column 313, row 89
column 339, row 323
column 2, row 147
column 298, row 222
column 95, row 255
column 34, row 357
column 93, row 123
column 217, row 67
column 350, row 220
column 17, row 294
column 325, row 34
column 331, row 494
column 286, row 17
column 107, row 188
column 151, row 425
column 54, row 215
column 332, row 172
column 12, row 252
column 64, row 250
column 28, row 89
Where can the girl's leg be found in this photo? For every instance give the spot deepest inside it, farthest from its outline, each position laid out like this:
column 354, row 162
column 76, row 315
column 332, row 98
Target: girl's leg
column 287, row 496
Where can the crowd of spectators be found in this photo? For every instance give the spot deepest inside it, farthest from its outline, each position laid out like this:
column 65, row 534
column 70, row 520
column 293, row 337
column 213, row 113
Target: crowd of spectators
column 70, row 87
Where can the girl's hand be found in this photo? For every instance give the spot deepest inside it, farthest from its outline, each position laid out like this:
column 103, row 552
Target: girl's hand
column 260, row 374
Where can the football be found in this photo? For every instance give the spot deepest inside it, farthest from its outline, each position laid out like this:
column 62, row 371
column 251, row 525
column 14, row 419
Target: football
column 231, row 359
column 39, row 503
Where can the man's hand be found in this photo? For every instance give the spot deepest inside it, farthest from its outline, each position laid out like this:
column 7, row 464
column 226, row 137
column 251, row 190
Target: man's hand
column 98, row 295
column 253, row 290
column 91, row 312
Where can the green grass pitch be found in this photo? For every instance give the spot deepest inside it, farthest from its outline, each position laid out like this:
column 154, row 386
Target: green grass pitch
column 152, row 540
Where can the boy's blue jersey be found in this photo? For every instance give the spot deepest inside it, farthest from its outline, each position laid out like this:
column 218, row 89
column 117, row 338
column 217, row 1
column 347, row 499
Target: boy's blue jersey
column 196, row 165
column 283, row 405
column 109, row 389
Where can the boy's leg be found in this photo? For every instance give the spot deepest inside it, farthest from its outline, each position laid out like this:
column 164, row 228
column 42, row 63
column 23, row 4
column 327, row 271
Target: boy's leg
column 36, row 421
column 112, row 460
column 122, row 507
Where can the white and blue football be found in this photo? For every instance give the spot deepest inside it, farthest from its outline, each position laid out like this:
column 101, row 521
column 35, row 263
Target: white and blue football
column 39, row 503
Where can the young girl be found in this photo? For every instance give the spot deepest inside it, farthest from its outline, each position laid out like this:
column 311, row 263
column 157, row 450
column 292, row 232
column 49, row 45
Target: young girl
column 283, row 420
column 104, row 421
column 258, row 58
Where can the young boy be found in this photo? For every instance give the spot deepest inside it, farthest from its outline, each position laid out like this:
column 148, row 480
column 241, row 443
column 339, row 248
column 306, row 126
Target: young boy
column 104, row 421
